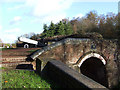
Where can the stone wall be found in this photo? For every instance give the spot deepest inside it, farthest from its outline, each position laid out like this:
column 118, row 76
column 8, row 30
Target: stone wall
column 118, row 64
column 71, row 50
column 12, row 62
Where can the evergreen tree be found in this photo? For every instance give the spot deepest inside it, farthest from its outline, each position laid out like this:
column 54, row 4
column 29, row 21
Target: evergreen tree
column 45, row 32
column 51, row 29
column 68, row 28
column 60, row 28
column 45, row 28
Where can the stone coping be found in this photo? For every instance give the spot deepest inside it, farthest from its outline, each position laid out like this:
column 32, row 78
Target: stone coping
column 62, row 42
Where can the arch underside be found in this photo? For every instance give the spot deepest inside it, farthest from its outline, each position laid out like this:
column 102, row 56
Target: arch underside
column 92, row 55
column 93, row 66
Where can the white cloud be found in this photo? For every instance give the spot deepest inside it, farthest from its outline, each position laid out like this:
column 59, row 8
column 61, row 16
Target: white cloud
column 15, row 30
column 44, row 7
column 9, row 36
column 55, row 18
column 8, row 1
column 79, row 15
column 44, row 10
column 96, row 0
column 15, row 7
column 57, row 0
column 16, row 19
column 49, row 10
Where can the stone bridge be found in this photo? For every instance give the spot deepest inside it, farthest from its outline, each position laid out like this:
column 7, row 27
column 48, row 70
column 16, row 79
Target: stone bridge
column 95, row 58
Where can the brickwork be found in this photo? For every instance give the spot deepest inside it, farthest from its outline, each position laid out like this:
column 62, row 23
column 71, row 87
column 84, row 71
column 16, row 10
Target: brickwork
column 13, row 57
column 72, row 50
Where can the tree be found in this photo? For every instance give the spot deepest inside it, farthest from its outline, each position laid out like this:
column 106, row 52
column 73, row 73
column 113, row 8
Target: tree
column 35, row 37
column 92, row 16
column 101, row 24
column 51, row 30
column 68, row 28
column 74, row 24
column 45, row 32
column 109, row 25
column 45, row 28
column 83, row 26
column 29, row 35
column 86, row 24
column 117, row 18
column 60, row 29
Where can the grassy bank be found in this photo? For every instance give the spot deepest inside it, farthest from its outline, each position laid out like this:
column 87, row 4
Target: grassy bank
column 1, row 49
column 23, row 79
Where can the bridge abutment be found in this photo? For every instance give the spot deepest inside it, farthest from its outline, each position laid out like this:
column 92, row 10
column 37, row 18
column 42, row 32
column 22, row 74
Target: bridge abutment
column 112, row 73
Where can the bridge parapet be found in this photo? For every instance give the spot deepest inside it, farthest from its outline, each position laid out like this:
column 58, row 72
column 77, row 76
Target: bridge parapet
column 68, row 78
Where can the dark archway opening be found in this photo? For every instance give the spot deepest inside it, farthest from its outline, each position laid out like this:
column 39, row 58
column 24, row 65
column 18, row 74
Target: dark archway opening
column 95, row 69
column 26, row 46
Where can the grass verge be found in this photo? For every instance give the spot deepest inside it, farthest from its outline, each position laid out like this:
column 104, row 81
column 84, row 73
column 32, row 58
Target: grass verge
column 23, row 79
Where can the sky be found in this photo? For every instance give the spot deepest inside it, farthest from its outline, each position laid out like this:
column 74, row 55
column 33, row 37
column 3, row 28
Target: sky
column 18, row 17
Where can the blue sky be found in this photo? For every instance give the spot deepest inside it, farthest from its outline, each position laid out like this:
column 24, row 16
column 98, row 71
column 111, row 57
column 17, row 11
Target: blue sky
column 18, row 17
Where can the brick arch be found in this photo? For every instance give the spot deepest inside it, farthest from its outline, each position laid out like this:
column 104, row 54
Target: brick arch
column 92, row 55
